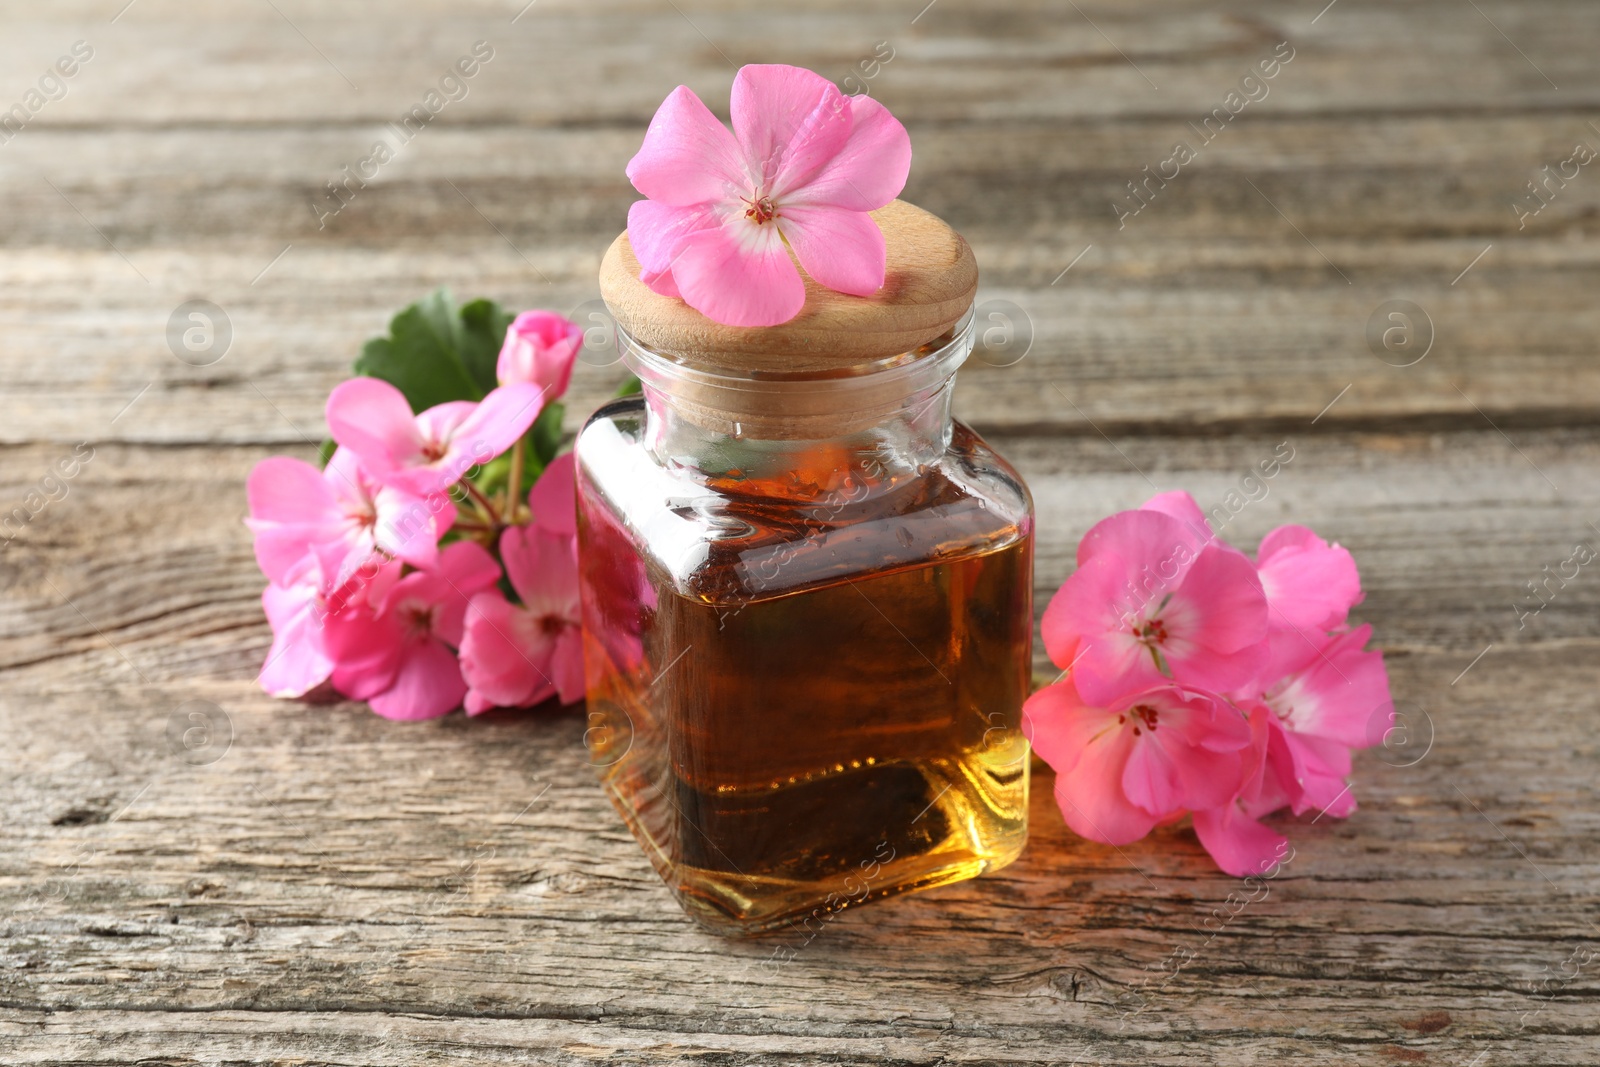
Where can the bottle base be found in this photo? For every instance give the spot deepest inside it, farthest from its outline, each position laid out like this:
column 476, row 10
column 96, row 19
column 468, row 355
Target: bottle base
column 959, row 834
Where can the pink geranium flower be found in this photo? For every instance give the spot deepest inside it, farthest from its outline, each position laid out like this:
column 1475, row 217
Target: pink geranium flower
column 1155, row 601
column 341, row 515
column 513, row 655
column 801, row 170
column 430, row 452
column 397, row 655
column 540, row 349
column 1145, row 757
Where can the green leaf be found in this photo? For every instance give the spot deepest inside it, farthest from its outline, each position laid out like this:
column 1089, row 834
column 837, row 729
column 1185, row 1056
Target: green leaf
column 422, row 356
column 631, row 387
column 325, row 451
column 483, row 331
column 546, row 433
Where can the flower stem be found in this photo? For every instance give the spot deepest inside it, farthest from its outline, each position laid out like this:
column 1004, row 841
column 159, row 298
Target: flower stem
column 484, row 506
column 514, row 483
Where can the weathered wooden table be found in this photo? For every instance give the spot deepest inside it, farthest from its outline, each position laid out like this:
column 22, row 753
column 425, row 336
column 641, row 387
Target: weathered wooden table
column 319, row 885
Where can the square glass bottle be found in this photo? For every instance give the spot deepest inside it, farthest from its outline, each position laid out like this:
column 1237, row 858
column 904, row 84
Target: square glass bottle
column 807, row 597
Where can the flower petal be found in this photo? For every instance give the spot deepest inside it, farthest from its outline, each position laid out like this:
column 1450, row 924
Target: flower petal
column 1181, row 506
column 843, row 250
column 408, row 526
column 543, row 568
column 427, row 685
column 501, row 658
column 1309, row 583
column 688, row 157
column 1240, row 845
column 296, row 663
column 1091, row 797
column 870, row 168
column 372, row 419
column 291, row 509
column 1059, row 725
column 554, row 497
column 789, row 121
column 740, row 274
column 656, row 233
column 465, row 569
column 539, row 347
column 498, row 420
column 566, row 662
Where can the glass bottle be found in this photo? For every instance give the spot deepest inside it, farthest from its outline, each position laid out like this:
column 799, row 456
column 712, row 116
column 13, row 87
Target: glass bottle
column 807, row 622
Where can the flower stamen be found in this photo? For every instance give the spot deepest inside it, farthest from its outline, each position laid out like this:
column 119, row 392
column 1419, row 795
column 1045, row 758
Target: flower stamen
column 761, row 210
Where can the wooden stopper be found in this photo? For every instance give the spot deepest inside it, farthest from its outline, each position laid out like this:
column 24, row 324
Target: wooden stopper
column 928, row 286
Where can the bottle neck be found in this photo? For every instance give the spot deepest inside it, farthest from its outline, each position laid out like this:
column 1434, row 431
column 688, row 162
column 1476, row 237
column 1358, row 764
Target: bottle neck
column 844, row 434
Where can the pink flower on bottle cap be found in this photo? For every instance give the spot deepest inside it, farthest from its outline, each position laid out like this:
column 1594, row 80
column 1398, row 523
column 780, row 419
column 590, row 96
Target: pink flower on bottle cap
column 799, row 173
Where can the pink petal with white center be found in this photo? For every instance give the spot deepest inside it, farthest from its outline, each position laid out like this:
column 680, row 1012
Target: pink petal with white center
column 1310, row 584
column 427, row 685
column 1223, row 597
column 554, row 497
column 1189, row 756
column 409, row 526
column 1088, row 623
column 688, row 157
column 1240, row 845
column 789, row 122
column 1338, row 691
column 740, row 274
column 843, row 250
column 869, row 170
column 372, row 419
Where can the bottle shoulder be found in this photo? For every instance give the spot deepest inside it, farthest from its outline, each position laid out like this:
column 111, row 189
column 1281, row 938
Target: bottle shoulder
column 722, row 538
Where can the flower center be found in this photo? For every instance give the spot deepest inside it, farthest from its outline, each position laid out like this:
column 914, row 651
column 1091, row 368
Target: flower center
column 552, row 625
column 418, row 618
column 1153, row 635
column 1153, row 632
column 761, row 210
column 1145, row 714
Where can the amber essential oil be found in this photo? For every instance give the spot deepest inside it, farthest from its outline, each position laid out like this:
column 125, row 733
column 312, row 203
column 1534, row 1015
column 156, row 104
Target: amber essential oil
column 805, row 685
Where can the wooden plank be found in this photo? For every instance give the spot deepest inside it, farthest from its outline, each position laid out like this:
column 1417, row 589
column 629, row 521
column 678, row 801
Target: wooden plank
column 565, row 61
column 1171, row 322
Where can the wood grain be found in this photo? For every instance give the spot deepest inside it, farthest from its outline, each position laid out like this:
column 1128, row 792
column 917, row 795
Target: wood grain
column 317, row 885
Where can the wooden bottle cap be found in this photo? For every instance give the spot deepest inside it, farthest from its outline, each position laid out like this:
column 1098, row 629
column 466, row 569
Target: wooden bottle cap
column 929, row 283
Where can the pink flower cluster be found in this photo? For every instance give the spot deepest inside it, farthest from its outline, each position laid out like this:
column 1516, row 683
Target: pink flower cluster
column 386, row 565
column 1200, row 682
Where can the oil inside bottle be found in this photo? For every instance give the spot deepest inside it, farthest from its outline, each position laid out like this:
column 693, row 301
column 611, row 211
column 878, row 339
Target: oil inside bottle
column 796, row 706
